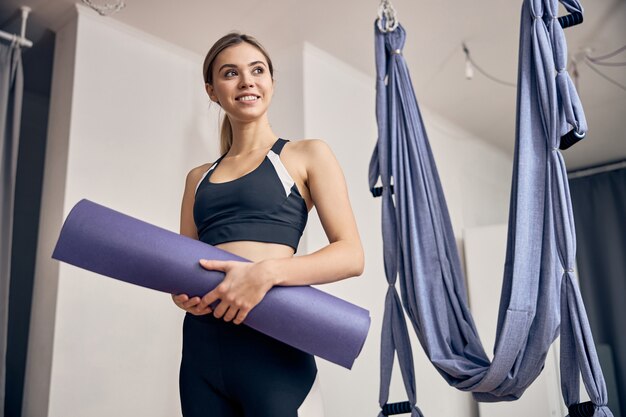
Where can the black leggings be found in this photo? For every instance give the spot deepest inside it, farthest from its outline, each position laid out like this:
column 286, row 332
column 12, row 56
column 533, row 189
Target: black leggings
column 230, row 370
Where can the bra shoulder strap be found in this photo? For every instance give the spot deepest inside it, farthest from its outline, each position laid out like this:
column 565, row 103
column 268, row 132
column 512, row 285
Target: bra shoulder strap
column 278, row 146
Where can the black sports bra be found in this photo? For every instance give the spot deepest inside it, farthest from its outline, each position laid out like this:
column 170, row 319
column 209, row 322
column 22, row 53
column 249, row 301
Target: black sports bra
column 264, row 205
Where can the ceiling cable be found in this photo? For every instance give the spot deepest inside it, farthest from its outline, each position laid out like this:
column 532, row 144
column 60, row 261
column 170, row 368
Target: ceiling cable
column 601, row 60
column 470, row 64
column 591, row 65
column 606, row 64
column 607, row 56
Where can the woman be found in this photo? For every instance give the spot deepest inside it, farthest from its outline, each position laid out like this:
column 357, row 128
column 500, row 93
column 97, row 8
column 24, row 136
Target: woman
column 254, row 201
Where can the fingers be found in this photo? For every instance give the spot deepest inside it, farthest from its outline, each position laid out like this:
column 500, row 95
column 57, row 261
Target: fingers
column 192, row 302
column 180, row 298
column 208, row 299
column 230, row 313
column 227, row 308
column 241, row 316
column 218, row 293
column 221, row 309
column 236, row 313
column 226, row 300
column 195, row 307
column 200, row 312
column 191, row 305
column 214, row 265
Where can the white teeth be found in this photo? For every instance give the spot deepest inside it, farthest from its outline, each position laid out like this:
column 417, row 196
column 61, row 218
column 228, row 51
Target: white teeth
column 247, row 98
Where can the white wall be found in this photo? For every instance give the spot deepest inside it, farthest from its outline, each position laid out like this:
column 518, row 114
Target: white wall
column 485, row 247
column 129, row 118
column 339, row 107
column 286, row 113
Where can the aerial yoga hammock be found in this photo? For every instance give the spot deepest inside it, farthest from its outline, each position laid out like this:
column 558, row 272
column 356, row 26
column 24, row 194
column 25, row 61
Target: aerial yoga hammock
column 540, row 295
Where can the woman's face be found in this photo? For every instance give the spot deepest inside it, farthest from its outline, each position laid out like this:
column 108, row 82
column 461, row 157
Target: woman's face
column 242, row 83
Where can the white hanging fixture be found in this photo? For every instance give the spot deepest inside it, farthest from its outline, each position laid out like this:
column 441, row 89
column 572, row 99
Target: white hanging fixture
column 21, row 39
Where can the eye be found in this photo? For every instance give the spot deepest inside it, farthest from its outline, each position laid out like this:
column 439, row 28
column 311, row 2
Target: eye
column 230, row 73
column 258, row 70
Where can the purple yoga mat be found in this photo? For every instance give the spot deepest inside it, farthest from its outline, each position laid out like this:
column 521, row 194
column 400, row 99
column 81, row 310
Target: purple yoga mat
column 110, row 243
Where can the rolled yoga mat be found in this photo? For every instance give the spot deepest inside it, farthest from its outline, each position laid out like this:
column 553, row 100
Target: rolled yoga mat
column 110, row 243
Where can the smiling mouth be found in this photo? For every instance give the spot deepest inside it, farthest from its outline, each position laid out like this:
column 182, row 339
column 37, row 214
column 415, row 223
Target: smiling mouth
column 247, row 98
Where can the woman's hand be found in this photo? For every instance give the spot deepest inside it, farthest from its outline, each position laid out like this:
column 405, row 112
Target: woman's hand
column 190, row 304
column 244, row 286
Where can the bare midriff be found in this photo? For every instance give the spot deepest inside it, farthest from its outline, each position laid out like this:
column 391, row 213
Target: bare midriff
column 257, row 251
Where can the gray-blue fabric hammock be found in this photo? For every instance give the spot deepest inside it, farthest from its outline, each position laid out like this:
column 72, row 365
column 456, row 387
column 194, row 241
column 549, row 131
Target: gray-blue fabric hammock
column 539, row 294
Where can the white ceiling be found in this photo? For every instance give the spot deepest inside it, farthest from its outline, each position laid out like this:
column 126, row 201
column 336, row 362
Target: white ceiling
column 435, row 31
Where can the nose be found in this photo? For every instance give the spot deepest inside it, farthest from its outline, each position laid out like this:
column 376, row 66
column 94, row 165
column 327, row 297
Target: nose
column 246, row 81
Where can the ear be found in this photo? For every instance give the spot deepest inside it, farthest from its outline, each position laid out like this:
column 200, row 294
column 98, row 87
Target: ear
column 211, row 92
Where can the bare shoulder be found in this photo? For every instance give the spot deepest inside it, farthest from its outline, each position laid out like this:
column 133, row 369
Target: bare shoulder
column 309, row 144
column 196, row 173
column 310, row 151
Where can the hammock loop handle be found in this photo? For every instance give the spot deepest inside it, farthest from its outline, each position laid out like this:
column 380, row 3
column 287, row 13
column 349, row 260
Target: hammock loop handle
column 387, row 17
column 391, row 409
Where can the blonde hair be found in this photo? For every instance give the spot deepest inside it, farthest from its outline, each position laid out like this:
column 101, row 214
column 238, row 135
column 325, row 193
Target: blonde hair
column 231, row 39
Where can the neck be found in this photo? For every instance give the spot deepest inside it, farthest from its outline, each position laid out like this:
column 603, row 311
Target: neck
column 251, row 136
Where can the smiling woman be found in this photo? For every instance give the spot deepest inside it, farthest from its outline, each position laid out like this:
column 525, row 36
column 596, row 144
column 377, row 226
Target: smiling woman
column 227, row 70
column 254, row 201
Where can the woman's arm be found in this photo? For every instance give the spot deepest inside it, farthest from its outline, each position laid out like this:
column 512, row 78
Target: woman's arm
column 343, row 256
column 188, row 228
column 187, row 224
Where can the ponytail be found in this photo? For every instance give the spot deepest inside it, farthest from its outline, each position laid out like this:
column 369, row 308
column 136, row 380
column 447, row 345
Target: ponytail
column 226, row 135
